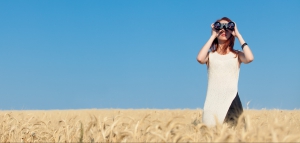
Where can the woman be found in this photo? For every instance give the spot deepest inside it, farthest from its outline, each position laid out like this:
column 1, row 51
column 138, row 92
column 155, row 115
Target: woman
column 222, row 103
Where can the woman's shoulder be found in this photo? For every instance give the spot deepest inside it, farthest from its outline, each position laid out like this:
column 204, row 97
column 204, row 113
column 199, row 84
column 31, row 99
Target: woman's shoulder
column 238, row 51
column 211, row 52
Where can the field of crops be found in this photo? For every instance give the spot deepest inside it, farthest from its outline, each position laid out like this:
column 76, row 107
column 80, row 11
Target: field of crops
column 145, row 125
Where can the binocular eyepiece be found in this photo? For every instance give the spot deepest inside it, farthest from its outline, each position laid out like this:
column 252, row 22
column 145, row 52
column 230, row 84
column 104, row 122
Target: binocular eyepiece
column 230, row 25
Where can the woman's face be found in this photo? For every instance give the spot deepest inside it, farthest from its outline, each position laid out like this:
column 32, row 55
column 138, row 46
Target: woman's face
column 224, row 34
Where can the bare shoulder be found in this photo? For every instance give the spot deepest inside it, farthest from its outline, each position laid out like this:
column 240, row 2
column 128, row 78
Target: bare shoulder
column 239, row 51
column 240, row 55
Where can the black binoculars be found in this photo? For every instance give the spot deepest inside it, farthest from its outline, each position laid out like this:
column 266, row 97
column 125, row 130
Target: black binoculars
column 230, row 25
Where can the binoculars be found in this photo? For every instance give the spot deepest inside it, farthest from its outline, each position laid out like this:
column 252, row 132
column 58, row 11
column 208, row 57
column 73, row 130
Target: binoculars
column 230, row 25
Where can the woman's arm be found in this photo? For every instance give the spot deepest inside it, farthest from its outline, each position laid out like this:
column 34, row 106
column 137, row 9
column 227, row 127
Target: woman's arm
column 202, row 57
column 246, row 56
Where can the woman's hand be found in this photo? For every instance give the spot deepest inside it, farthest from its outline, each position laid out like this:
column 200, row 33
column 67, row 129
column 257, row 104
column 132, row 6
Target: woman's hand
column 235, row 32
column 214, row 32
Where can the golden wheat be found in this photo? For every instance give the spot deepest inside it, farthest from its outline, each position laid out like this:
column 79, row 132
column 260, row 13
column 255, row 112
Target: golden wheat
column 145, row 125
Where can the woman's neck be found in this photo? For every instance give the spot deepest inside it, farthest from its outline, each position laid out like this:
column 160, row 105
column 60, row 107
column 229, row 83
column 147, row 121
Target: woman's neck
column 221, row 49
column 221, row 44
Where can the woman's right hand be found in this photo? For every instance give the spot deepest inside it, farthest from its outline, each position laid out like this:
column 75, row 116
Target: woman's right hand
column 214, row 32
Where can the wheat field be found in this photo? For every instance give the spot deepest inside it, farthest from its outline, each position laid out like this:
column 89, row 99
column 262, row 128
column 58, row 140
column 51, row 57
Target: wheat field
column 145, row 125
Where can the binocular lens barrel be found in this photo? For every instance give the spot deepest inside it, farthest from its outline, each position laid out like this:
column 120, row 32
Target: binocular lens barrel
column 218, row 26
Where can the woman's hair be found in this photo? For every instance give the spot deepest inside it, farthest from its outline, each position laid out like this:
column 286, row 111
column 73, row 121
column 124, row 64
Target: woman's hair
column 228, row 44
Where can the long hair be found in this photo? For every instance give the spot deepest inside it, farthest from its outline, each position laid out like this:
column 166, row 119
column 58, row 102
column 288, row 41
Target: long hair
column 228, row 44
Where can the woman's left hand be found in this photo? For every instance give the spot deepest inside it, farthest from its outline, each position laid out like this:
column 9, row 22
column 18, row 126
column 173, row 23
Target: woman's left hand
column 235, row 32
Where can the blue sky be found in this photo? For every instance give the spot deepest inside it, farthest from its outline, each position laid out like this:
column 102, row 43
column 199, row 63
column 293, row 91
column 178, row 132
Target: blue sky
column 58, row 54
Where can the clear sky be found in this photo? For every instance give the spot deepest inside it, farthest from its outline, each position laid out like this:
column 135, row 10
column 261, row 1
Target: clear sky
column 69, row 54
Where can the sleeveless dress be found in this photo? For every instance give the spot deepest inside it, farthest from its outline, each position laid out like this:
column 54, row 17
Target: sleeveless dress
column 223, row 74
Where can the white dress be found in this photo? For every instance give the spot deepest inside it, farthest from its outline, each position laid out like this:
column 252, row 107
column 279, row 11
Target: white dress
column 223, row 74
